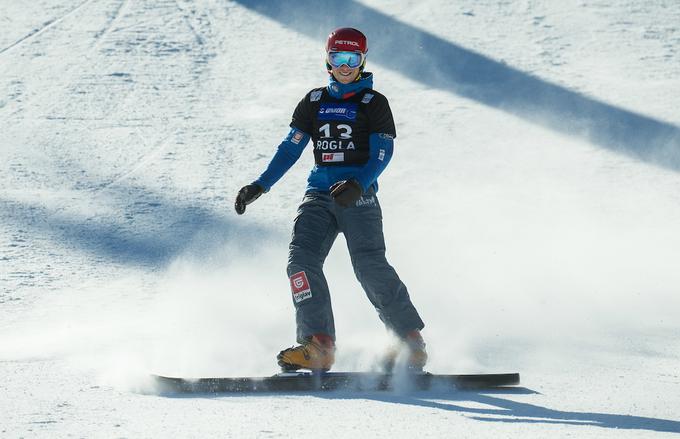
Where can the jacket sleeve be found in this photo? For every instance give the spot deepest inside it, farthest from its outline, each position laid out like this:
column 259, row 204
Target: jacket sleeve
column 288, row 152
column 380, row 141
column 381, row 148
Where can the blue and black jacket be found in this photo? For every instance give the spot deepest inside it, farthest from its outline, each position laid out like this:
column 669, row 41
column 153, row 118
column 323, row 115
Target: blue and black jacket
column 352, row 130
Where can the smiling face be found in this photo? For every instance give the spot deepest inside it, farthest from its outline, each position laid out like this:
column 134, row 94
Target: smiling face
column 345, row 74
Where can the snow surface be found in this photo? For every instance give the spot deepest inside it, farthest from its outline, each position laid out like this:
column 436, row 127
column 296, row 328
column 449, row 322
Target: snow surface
column 532, row 208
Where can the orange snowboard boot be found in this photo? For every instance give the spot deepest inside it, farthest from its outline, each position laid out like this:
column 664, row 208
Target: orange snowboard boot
column 317, row 353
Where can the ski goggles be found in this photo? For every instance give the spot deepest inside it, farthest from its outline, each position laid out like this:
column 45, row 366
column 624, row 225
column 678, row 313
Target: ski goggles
column 351, row 59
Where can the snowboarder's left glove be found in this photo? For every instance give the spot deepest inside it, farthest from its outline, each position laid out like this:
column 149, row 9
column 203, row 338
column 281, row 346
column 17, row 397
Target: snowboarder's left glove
column 346, row 192
column 247, row 195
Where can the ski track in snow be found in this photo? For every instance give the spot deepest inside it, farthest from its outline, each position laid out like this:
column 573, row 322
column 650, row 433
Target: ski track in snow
column 129, row 127
column 112, row 22
column 45, row 26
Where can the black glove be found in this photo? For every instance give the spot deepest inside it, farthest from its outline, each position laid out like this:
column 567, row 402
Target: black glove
column 346, row 192
column 247, row 195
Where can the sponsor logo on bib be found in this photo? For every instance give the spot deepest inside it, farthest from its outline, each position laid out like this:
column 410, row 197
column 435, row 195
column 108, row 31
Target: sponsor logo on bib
column 337, row 112
column 329, row 157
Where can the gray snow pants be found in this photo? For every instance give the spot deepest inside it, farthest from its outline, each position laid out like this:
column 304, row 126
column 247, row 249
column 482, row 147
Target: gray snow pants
column 318, row 223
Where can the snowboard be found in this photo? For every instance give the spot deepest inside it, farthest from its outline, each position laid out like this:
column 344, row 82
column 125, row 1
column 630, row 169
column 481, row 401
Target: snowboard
column 329, row 381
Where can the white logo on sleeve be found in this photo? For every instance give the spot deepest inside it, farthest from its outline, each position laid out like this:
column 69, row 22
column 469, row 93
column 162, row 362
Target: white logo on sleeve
column 367, row 98
column 297, row 137
column 381, row 155
column 315, row 96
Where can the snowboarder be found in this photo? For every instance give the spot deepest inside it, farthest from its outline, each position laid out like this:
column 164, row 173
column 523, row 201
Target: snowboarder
column 352, row 130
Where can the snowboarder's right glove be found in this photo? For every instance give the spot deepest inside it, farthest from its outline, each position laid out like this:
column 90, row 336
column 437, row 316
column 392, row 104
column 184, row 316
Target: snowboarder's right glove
column 346, row 192
column 247, row 195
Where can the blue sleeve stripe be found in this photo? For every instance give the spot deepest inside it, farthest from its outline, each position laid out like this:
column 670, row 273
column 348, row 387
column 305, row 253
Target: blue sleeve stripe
column 381, row 149
column 288, row 152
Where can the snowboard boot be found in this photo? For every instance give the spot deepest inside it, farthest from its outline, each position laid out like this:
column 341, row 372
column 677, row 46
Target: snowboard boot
column 416, row 355
column 316, row 353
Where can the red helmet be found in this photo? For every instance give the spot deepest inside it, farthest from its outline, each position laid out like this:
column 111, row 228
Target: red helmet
column 346, row 39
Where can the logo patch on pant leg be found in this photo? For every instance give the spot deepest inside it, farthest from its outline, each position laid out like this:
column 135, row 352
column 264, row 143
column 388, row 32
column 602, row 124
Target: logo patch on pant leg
column 299, row 285
column 366, row 201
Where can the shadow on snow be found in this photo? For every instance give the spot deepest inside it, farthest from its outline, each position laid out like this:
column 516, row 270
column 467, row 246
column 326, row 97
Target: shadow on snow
column 435, row 62
column 499, row 409
column 148, row 229
column 505, row 410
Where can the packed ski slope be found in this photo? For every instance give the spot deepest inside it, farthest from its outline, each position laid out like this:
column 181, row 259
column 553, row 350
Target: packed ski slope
column 532, row 208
